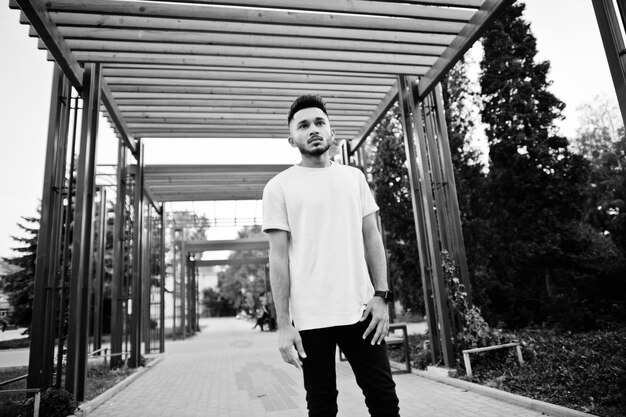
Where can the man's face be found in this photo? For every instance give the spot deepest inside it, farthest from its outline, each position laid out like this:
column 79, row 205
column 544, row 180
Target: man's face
column 310, row 132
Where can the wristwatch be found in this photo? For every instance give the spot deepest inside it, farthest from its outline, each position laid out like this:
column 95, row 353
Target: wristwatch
column 385, row 295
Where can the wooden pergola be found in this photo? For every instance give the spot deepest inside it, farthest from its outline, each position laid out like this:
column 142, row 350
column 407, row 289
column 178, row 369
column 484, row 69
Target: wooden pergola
column 230, row 69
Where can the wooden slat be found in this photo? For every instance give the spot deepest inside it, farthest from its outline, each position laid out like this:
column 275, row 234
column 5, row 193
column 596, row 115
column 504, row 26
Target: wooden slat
column 117, row 90
column 65, row 59
column 288, row 42
column 305, row 53
column 238, row 14
column 240, row 117
column 230, row 105
column 185, row 122
column 244, row 62
column 199, row 75
column 377, row 8
column 470, row 33
column 375, row 118
column 115, row 82
column 414, row 36
column 229, row 112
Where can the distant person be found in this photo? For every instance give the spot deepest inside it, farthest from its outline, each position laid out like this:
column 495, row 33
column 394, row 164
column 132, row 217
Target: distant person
column 321, row 220
column 4, row 324
column 263, row 314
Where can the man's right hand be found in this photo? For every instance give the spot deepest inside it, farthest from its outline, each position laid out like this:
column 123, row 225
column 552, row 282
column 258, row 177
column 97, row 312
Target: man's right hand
column 288, row 339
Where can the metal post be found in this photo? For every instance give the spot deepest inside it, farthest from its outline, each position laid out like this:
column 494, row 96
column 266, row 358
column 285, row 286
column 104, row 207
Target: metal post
column 183, row 287
column 117, row 302
column 407, row 108
column 174, row 283
column 41, row 356
column 81, row 246
column 614, row 48
column 65, row 269
column 146, row 276
column 98, row 285
column 433, row 238
column 451, row 198
column 135, row 319
column 162, row 287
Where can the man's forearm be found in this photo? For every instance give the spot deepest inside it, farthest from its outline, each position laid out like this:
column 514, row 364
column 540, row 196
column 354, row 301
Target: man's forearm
column 279, row 280
column 376, row 261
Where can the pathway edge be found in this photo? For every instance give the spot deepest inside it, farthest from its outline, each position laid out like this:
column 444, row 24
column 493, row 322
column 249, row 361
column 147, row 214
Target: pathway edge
column 515, row 399
column 89, row 406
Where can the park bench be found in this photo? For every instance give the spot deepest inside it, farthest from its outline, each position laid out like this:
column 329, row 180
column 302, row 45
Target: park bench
column 466, row 354
column 390, row 340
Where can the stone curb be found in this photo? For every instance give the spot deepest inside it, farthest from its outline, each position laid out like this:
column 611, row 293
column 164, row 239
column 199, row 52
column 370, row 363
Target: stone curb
column 89, row 406
column 515, row 399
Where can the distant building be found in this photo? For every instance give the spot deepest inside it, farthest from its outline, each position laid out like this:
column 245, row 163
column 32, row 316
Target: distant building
column 4, row 306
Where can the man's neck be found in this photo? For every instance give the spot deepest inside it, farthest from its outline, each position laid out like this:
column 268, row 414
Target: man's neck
column 319, row 161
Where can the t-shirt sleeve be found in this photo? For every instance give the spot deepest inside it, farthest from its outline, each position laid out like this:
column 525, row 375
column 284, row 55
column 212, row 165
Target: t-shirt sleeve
column 274, row 208
column 368, row 203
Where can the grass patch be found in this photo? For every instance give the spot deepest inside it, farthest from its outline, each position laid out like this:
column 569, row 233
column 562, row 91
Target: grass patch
column 100, row 378
column 584, row 371
column 15, row 343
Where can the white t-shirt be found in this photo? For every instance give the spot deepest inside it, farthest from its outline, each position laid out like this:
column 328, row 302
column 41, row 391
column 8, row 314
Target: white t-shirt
column 323, row 210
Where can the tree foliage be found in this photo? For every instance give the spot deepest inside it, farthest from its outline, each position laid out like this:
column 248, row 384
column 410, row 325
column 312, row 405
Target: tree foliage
column 19, row 285
column 542, row 256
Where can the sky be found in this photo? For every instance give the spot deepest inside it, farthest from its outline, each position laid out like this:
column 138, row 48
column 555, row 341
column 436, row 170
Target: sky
column 567, row 36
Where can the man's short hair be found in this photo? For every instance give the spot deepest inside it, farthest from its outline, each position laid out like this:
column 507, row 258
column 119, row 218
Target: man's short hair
column 304, row 102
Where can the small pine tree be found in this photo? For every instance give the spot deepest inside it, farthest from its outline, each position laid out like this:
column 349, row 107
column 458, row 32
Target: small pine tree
column 19, row 285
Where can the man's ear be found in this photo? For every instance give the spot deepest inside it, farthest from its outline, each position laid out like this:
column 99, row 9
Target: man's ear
column 291, row 142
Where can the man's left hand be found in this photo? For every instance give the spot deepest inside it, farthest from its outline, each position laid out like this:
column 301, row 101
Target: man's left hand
column 377, row 307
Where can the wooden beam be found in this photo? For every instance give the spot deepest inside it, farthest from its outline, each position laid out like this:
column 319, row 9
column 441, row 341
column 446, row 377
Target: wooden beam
column 233, row 118
column 376, row 8
column 36, row 13
column 126, row 97
column 116, row 82
column 286, row 92
column 307, row 52
column 375, row 118
column 234, row 261
column 77, row 33
column 248, row 15
column 116, row 117
column 465, row 39
column 246, row 62
column 196, row 246
column 231, row 74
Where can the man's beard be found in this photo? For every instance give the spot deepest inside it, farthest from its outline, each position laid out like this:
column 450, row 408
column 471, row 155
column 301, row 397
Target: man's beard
column 317, row 151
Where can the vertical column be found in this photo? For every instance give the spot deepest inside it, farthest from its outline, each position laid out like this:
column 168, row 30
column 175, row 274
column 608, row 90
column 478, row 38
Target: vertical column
column 183, row 286
column 135, row 318
column 41, row 356
column 174, row 280
column 614, row 47
column 407, row 109
column 98, row 284
column 430, row 250
column 146, row 277
column 117, row 281
column 162, row 277
column 451, row 198
column 81, row 246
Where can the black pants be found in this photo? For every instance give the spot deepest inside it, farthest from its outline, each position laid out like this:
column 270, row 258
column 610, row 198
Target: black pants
column 369, row 363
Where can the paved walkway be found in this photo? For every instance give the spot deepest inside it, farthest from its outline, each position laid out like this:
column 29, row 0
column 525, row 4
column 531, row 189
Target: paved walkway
column 229, row 370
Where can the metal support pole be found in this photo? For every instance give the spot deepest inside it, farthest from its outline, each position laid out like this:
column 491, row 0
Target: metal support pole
column 81, row 246
column 41, row 356
column 162, row 276
column 98, row 285
column 135, row 319
column 614, row 48
column 117, row 282
column 175, row 255
column 183, row 287
column 65, row 269
column 146, row 277
column 426, row 222
column 450, row 195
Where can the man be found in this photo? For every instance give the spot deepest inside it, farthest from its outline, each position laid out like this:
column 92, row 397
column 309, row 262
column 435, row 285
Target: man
column 323, row 235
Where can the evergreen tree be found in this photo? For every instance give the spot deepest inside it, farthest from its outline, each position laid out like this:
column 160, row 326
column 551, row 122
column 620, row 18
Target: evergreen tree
column 19, row 285
column 535, row 183
column 390, row 181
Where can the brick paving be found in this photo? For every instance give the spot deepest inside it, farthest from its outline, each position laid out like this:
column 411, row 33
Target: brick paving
column 229, row 370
